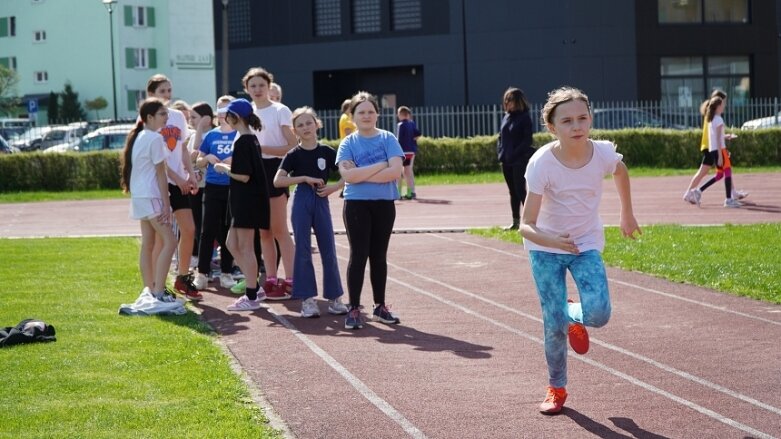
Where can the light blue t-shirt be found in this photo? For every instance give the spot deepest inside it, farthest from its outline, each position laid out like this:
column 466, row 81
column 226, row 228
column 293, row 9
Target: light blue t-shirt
column 220, row 144
column 366, row 151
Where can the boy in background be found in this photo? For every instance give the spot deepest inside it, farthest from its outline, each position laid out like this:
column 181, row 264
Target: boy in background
column 408, row 133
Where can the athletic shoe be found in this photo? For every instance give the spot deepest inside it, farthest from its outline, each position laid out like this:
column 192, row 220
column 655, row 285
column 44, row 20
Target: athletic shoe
column 240, row 287
column 237, row 274
column 411, row 196
column 226, row 280
column 167, row 296
column 554, row 400
column 309, row 308
column 354, row 319
column 382, row 314
column 689, row 197
column 184, row 285
column 275, row 291
column 697, row 196
column 200, row 281
column 732, row 203
column 336, row 307
column 578, row 338
column 514, row 226
column 244, row 304
column 287, row 285
column 739, row 194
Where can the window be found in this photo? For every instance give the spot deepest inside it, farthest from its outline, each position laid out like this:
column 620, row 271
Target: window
column 687, row 81
column 39, row 36
column 9, row 63
column 41, row 77
column 239, row 21
column 139, row 16
column 7, row 26
column 328, row 17
column 134, row 98
column 703, row 11
column 140, row 58
column 366, row 16
column 406, row 15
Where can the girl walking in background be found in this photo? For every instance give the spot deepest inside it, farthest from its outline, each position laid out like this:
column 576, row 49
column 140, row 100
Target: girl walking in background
column 408, row 134
column 144, row 176
column 370, row 161
column 514, row 148
column 562, row 231
column 692, row 195
column 181, row 183
column 717, row 150
column 308, row 166
column 249, row 202
column 276, row 139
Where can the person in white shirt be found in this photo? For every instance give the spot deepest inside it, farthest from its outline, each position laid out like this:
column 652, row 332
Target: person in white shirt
column 143, row 174
column 562, row 231
column 181, row 183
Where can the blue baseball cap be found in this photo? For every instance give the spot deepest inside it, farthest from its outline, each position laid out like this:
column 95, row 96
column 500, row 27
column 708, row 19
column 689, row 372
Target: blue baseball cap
column 240, row 107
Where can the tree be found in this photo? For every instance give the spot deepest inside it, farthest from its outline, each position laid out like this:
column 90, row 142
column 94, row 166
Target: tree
column 8, row 99
column 71, row 108
column 54, row 108
column 96, row 104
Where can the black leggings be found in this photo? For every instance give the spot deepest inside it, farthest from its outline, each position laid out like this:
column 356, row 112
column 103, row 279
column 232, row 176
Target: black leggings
column 516, row 183
column 215, row 225
column 369, row 224
column 196, row 204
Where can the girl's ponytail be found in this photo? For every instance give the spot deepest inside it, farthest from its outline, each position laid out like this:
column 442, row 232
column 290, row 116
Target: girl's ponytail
column 254, row 121
column 126, row 160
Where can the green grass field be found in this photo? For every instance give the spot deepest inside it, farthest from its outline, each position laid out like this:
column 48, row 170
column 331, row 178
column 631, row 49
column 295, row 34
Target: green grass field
column 735, row 259
column 109, row 376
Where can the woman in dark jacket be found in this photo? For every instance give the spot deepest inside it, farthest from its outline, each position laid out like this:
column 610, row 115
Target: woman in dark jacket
column 514, row 149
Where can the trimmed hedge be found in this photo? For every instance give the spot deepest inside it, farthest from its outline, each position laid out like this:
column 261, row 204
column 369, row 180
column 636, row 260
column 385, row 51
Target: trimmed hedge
column 640, row 147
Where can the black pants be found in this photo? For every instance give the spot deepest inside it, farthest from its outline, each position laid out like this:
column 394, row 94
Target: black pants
column 196, row 204
column 216, row 222
column 516, row 183
column 369, row 224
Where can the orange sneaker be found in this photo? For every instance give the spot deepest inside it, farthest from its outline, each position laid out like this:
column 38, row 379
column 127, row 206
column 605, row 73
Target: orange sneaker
column 554, row 400
column 578, row 336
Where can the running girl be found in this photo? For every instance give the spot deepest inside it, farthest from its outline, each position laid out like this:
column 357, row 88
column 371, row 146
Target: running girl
column 308, row 166
column 562, row 230
column 248, row 199
column 143, row 175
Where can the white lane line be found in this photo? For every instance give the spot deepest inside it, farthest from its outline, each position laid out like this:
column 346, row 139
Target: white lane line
column 357, row 384
column 707, row 412
column 627, row 284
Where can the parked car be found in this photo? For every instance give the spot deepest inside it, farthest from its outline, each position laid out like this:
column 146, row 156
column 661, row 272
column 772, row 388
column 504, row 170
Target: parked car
column 63, row 138
column 30, row 140
column 6, row 148
column 9, row 127
column 763, row 122
column 618, row 118
column 106, row 138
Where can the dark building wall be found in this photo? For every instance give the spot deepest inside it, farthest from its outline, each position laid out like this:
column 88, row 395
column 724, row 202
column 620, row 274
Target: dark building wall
column 759, row 39
column 536, row 46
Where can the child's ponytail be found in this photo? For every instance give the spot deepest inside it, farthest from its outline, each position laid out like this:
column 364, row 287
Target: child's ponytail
column 254, row 122
column 126, row 160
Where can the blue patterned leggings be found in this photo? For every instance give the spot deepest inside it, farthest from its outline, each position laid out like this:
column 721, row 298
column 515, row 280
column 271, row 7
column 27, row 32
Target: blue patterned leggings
column 549, row 271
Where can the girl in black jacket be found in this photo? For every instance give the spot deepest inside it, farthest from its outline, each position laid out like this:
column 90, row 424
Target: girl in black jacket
column 514, row 149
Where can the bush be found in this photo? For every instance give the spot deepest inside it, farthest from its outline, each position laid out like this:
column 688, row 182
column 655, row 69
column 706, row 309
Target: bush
column 640, row 147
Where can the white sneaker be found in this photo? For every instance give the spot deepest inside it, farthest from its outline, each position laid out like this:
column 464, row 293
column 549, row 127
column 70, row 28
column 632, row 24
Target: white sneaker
column 200, row 281
column 731, row 203
column 336, row 307
column 226, row 280
column 689, row 197
column 244, row 304
column 309, row 308
column 739, row 195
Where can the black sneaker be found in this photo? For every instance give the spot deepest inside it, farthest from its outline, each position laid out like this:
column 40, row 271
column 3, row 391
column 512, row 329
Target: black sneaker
column 354, row 319
column 383, row 314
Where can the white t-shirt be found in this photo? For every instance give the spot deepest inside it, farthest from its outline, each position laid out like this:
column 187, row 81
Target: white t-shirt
column 148, row 150
column 570, row 197
column 274, row 118
column 174, row 134
column 713, row 138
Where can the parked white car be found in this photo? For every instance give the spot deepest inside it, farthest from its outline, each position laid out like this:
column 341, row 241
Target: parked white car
column 764, row 122
column 63, row 138
column 106, row 138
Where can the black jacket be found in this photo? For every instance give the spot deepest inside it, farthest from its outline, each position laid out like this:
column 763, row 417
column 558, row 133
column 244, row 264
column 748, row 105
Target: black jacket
column 515, row 138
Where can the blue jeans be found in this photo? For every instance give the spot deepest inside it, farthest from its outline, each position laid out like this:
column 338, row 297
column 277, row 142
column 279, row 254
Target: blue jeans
column 549, row 271
column 311, row 211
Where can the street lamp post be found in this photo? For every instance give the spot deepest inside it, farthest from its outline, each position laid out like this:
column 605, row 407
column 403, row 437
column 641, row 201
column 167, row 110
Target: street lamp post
column 224, row 47
column 109, row 4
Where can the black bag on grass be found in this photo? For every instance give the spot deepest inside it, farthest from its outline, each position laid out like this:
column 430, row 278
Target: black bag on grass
column 27, row 331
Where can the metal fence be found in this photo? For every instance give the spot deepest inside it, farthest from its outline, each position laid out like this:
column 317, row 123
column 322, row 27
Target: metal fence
column 484, row 120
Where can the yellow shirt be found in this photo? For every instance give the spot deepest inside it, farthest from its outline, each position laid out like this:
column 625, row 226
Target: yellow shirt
column 346, row 123
column 705, row 136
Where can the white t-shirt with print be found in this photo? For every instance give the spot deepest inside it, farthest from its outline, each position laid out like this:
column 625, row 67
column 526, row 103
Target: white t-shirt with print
column 274, row 118
column 713, row 127
column 571, row 197
column 174, row 133
column 148, row 150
